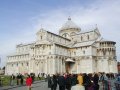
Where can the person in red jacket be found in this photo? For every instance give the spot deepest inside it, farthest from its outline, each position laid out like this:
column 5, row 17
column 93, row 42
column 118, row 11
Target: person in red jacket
column 29, row 82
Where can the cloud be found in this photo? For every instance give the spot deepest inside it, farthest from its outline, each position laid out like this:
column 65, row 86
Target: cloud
column 104, row 13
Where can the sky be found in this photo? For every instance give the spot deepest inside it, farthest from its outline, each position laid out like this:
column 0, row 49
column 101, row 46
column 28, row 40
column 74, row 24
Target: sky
column 21, row 19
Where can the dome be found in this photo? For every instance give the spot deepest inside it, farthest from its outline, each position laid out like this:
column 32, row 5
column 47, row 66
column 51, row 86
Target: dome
column 69, row 25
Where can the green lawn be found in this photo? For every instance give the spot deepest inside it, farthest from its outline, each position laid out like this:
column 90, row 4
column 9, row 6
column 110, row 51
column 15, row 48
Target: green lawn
column 6, row 80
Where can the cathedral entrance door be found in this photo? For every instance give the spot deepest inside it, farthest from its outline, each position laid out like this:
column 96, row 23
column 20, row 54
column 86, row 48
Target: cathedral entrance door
column 68, row 65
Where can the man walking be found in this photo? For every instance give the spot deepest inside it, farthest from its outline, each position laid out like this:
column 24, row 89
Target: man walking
column 61, row 82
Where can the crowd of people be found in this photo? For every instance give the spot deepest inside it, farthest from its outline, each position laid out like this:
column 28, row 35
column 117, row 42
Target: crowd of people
column 66, row 81
column 78, row 81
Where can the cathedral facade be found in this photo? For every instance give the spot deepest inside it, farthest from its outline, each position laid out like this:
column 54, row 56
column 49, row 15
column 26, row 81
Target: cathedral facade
column 72, row 51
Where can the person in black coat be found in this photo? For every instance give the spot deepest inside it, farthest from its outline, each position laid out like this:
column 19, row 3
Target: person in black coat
column 95, row 80
column 18, row 79
column 49, row 81
column 12, row 78
column 68, row 82
column 86, row 81
column 61, row 82
column 73, row 80
column 21, row 77
column 53, row 82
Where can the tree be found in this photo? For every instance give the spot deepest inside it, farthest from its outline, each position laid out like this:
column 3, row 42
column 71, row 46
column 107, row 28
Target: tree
column 3, row 68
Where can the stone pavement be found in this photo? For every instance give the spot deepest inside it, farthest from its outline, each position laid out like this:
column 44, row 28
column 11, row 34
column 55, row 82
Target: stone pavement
column 38, row 85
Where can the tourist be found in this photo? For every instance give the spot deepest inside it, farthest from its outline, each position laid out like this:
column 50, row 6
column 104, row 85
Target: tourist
column 21, row 79
column 95, row 80
column 74, row 79
column 77, row 86
column 118, row 77
column 39, row 76
column 86, row 81
column 12, row 79
column 49, row 81
column 68, row 82
column 45, row 76
column 28, row 82
column 80, row 79
column 32, row 76
column 53, row 82
column 61, row 82
column 18, row 79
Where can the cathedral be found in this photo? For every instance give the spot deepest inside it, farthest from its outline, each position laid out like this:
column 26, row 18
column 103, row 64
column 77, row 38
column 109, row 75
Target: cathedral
column 70, row 51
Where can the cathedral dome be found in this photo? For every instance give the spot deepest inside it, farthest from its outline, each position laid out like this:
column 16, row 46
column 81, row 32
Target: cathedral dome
column 69, row 28
column 69, row 25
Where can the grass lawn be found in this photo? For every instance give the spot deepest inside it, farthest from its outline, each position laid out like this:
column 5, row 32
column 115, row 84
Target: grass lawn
column 5, row 80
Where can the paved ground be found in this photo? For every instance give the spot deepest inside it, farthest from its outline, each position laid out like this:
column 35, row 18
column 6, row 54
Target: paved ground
column 38, row 85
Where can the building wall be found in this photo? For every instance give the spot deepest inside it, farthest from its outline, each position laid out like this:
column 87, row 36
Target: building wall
column 50, row 52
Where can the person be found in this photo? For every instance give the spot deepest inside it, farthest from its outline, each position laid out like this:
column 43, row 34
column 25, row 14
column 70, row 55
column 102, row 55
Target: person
column 118, row 77
column 49, row 81
column 61, row 82
column 45, row 76
column 68, row 82
column 86, row 81
column 95, row 80
column 28, row 82
column 74, row 79
column 77, row 86
column 39, row 76
column 53, row 82
column 12, row 79
column 32, row 76
column 0, row 82
column 80, row 79
column 21, row 79
column 18, row 79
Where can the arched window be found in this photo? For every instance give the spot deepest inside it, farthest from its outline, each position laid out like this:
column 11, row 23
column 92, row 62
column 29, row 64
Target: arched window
column 65, row 35
column 88, row 37
column 83, row 52
column 41, row 37
column 81, row 38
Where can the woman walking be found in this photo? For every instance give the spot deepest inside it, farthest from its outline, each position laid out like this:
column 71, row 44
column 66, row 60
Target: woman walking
column 28, row 82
